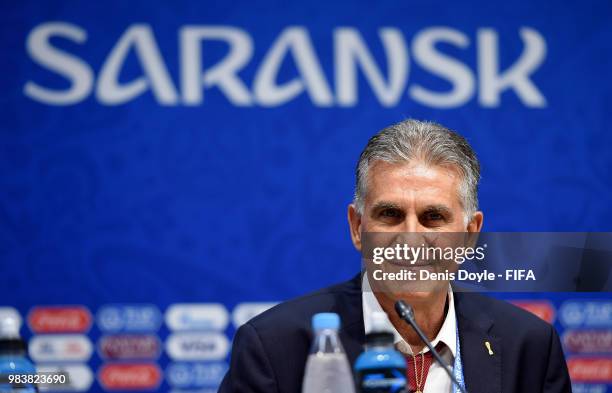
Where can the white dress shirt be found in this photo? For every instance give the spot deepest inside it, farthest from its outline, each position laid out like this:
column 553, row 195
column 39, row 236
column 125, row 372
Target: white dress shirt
column 437, row 379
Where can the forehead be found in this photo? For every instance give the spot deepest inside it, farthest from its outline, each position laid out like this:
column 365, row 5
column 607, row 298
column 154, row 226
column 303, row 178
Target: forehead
column 413, row 182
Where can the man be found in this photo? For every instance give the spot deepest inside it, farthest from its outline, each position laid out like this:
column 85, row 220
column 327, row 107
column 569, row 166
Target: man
column 418, row 178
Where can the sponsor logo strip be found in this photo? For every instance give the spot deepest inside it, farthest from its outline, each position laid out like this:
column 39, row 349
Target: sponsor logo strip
column 590, row 369
column 195, row 375
column 129, row 376
column 588, row 341
column 540, row 308
column 197, row 316
column 589, row 314
column 60, row 348
column 113, row 318
column 129, row 346
column 197, row 346
column 59, row 319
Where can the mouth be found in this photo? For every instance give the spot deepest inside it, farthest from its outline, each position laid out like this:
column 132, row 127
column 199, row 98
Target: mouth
column 411, row 264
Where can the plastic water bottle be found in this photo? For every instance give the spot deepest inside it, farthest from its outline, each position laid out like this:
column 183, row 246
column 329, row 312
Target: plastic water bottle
column 380, row 369
column 327, row 368
column 13, row 357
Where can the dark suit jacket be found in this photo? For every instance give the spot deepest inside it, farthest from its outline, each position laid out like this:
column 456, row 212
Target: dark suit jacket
column 269, row 352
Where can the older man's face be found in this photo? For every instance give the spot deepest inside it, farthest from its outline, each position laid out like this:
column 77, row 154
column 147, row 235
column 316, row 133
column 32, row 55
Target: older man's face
column 413, row 197
column 412, row 203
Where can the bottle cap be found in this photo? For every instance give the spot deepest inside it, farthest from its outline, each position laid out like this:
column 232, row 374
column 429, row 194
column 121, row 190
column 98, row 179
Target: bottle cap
column 380, row 333
column 326, row 320
column 9, row 328
column 379, row 322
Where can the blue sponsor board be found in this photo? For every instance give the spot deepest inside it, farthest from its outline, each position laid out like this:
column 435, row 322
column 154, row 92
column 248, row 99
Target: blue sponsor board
column 189, row 375
column 589, row 388
column 154, row 153
column 586, row 314
column 115, row 318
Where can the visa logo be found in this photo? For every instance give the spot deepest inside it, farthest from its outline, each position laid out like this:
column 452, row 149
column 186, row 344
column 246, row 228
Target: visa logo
column 197, row 346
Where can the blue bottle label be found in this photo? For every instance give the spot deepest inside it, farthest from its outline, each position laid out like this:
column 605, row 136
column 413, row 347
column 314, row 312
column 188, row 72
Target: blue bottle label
column 382, row 380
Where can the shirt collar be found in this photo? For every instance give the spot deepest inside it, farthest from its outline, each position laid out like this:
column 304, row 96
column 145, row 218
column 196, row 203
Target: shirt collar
column 446, row 335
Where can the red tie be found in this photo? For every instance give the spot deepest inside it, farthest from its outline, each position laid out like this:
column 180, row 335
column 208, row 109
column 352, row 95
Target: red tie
column 417, row 368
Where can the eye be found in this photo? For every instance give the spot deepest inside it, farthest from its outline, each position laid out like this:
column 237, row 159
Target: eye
column 390, row 216
column 391, row 213
column 434, row 216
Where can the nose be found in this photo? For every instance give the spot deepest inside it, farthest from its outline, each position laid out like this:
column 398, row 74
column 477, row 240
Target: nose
column 413, row 232
column 411, row 224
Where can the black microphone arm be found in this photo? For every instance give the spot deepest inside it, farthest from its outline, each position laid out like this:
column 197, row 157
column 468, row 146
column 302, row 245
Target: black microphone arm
column 405, row 312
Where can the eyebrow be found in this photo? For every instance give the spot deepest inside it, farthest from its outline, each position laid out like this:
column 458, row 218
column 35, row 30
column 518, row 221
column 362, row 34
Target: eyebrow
column 438, row 208
column 382, row 205
column 441, row 209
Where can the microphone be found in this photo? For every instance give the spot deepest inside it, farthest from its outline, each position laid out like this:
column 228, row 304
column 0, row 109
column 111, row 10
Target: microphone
column 405, row 312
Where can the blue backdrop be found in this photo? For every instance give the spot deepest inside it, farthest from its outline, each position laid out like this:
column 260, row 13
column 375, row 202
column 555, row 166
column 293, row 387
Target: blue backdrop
column 185, row 151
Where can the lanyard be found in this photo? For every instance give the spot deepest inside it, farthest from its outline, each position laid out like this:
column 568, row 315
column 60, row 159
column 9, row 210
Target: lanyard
column 458, row 367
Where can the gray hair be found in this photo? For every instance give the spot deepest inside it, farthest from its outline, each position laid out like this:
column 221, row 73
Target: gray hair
column 428, row 142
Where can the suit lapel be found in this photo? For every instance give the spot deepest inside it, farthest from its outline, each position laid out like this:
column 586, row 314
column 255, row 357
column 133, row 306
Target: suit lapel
column 352, row 333
column 482, row 371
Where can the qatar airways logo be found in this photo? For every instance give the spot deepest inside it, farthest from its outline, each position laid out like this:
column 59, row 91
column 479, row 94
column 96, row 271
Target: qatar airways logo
column 388, row 79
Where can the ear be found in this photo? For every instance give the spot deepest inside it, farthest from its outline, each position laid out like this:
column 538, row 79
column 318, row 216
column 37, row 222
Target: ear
column 475, row 225
column 354, row 220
